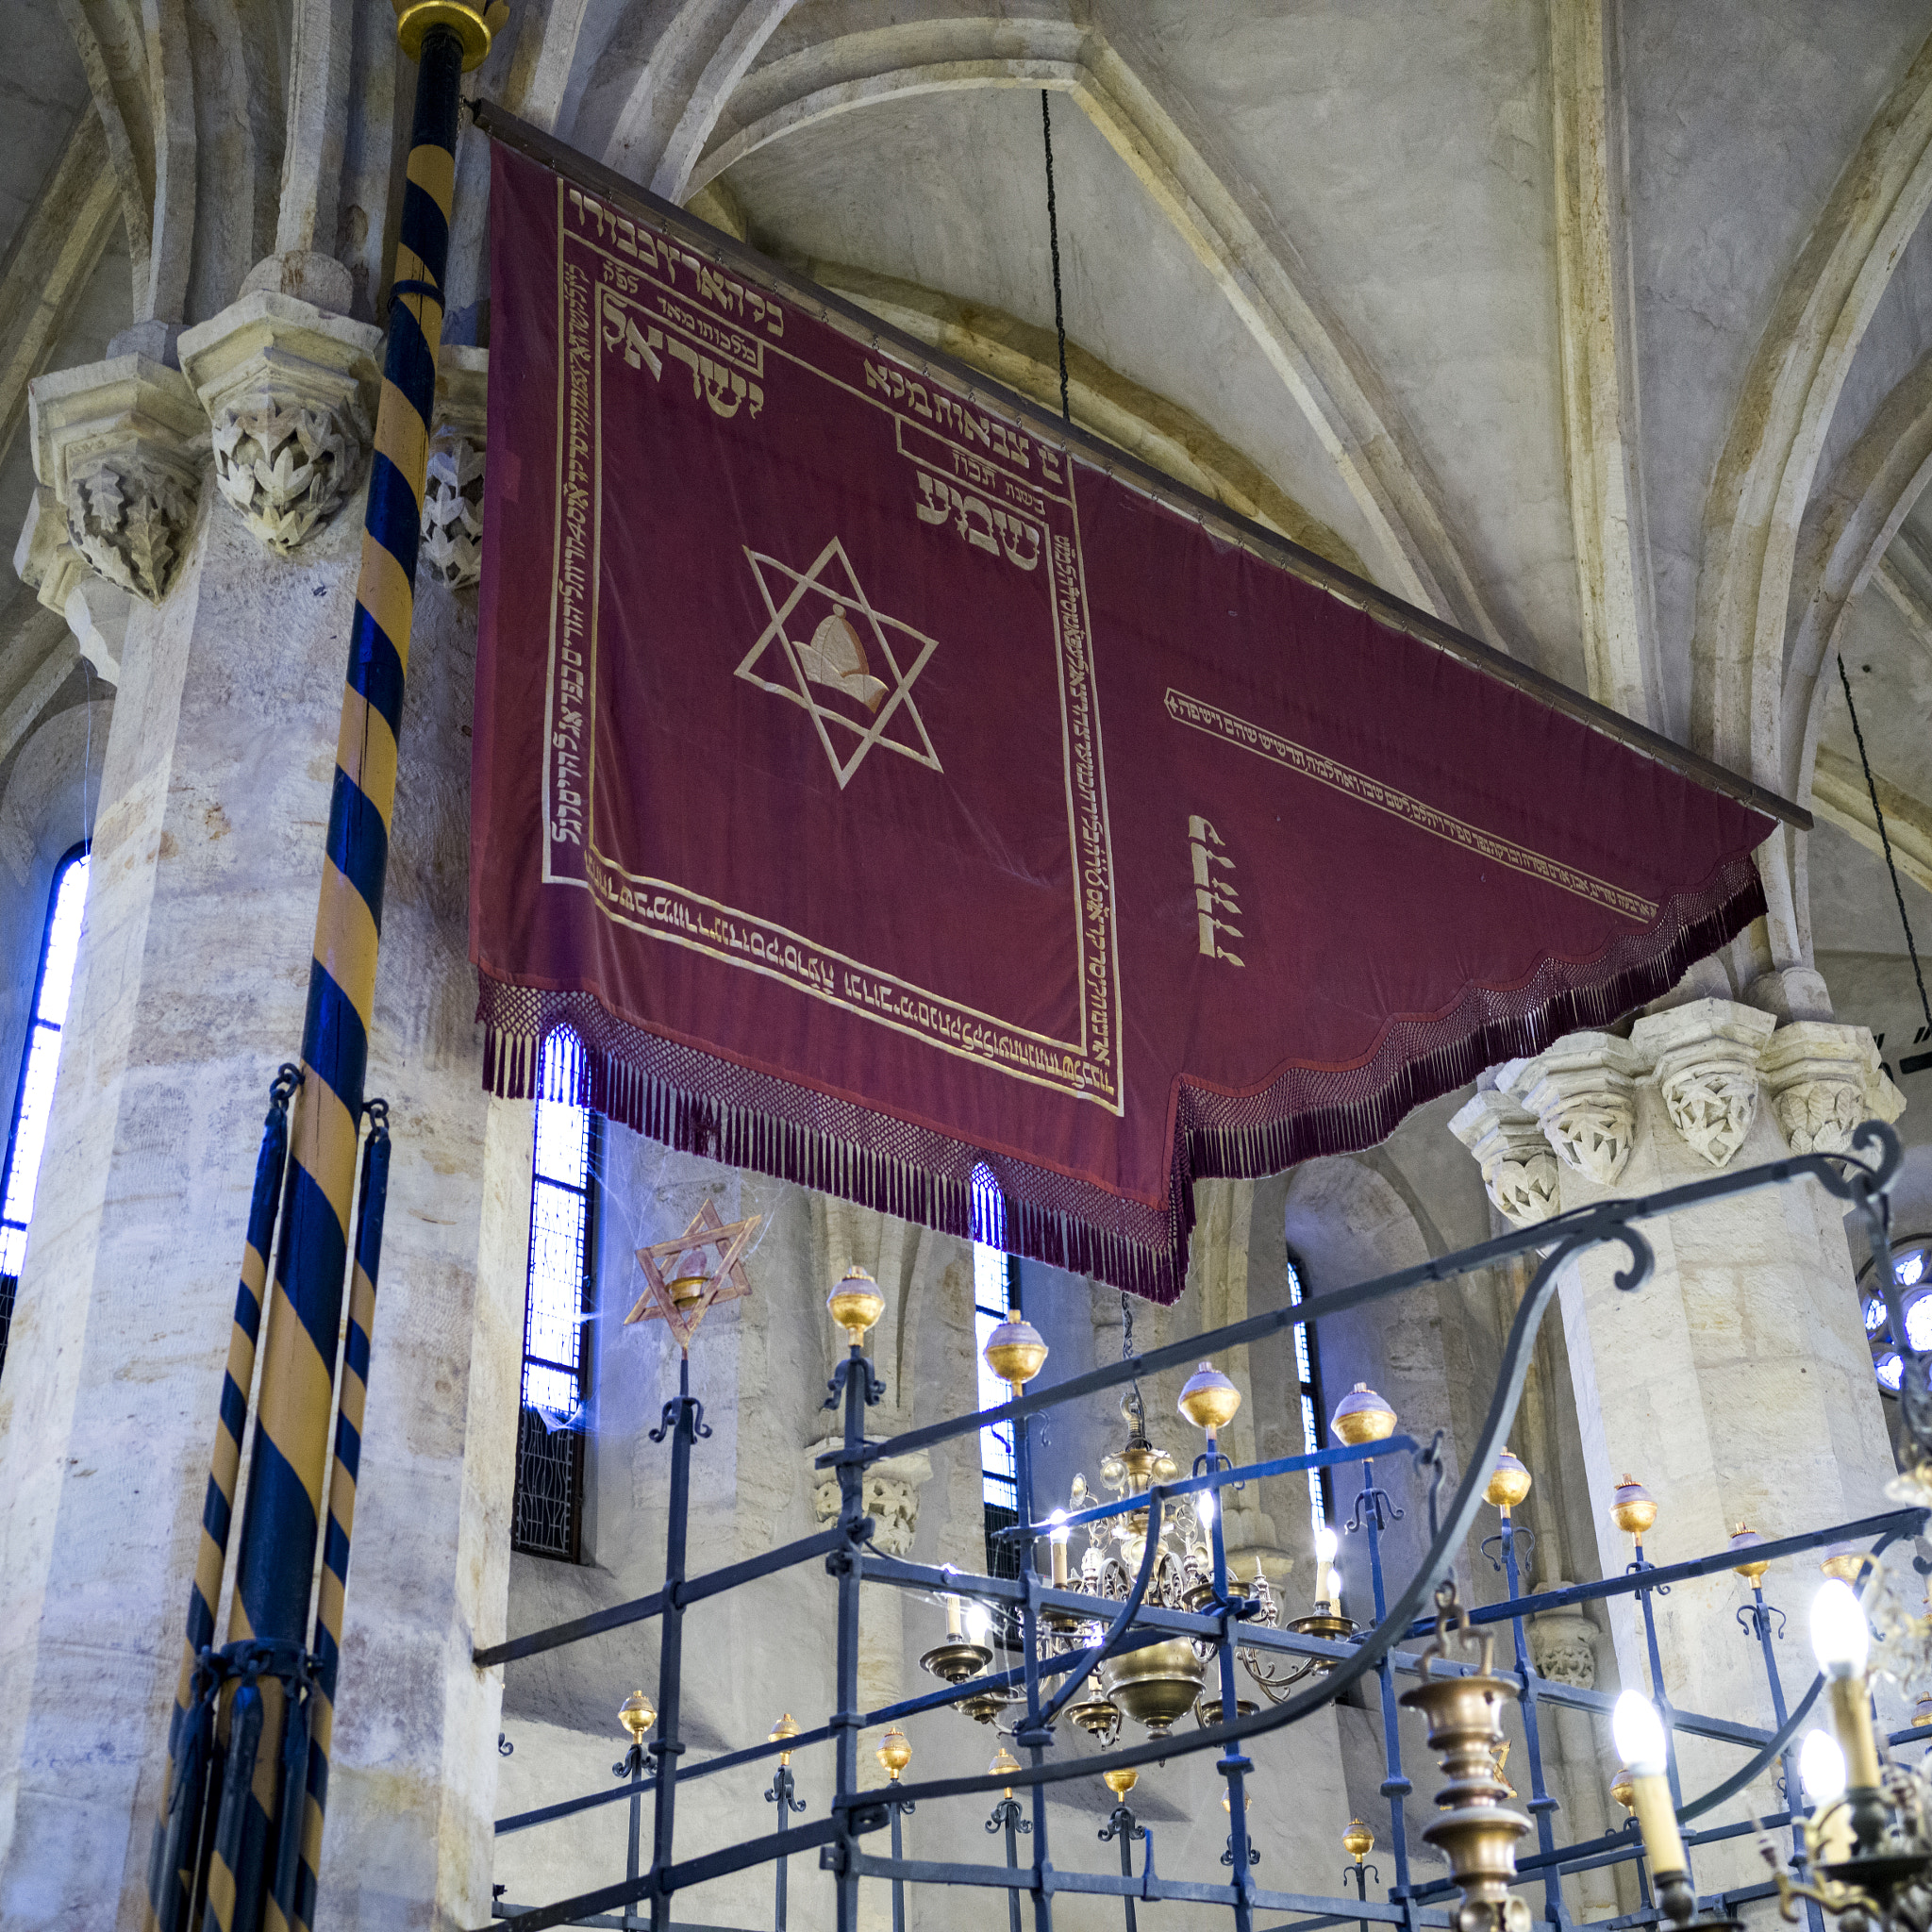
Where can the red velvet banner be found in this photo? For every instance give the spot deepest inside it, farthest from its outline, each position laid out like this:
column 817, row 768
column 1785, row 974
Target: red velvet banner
column 878, row 789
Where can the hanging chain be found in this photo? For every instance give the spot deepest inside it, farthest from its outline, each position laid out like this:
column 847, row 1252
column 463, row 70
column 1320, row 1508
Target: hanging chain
column 1053, row 234
column 1128, row 1346
column 1884, row 840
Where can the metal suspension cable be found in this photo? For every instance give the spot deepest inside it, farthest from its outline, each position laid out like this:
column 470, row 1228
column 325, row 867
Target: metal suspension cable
column 1053, row 236
column 1884, row 840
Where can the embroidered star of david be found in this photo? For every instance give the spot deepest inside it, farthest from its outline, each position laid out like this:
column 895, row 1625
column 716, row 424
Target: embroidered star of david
column 833, row 654
column 725, row 1278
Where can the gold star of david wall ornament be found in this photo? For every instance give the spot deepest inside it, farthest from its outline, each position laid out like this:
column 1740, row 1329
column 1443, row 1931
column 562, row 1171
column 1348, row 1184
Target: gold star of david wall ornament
column 684, row 1277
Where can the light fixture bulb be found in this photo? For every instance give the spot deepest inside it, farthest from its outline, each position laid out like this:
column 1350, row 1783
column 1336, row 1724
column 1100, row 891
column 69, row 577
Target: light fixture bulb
column 1203, row 1508
column 1822, row 1767
column 1841, row 1638
column 1058, row 1530
column 978, row 1623
column 1327, row 1544
column 1331, row 1591
column 1639, row 1734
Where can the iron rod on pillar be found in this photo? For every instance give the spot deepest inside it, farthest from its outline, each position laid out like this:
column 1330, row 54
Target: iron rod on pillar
column 684, row 1420
column 295, row 1891
column 276, row 1557
column 178, row 1834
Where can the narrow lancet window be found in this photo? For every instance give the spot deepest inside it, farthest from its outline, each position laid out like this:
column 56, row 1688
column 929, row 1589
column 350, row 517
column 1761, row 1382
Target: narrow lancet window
column 548, row 1517
column 1314, row 1417
column 992, row 1303
column 33, row 1101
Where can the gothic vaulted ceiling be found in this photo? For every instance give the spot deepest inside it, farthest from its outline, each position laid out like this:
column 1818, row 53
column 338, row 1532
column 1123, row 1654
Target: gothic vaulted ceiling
column 1603, row 329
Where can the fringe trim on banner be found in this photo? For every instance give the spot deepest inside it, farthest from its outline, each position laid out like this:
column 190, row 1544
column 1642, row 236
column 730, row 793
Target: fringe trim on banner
column 700, row 1104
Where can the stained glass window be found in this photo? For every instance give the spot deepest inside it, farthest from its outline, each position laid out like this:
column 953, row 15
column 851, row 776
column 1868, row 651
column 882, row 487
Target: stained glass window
column 33, row 1104
column 1308, row 1378
column 548, row 1518
column 992, row 1303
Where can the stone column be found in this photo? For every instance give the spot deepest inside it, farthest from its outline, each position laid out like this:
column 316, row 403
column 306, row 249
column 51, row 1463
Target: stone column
column 1218, row 1272
column 1562, row 1646
column 1736, row 1382
column 190, row 987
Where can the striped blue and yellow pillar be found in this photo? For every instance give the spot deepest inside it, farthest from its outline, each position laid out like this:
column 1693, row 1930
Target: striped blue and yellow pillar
column 271, row 1810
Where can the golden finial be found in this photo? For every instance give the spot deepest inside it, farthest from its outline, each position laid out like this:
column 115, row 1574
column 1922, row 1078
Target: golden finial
column 856, row 1304
column 1209, row 1400
column 894, row 1753
column 637, row 1715
column 1015, row 1352
column 1743, row 1540
column 1361, row 1416
column 1508, row 1483
column 475, row 23
column 1633, row 1508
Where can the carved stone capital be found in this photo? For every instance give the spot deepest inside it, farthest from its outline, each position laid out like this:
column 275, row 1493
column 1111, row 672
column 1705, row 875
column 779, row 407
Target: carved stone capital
column 1562, row 1646
column 119, row 446
column 1581, row 1091
column 1519, row 1170
column 46, row 561
column 1705, row 1057
column 453, row 495
column 892, row 1496
column 290, row 391
column 1823, row 1080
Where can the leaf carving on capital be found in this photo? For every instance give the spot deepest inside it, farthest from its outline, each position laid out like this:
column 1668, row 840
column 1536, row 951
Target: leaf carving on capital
column 1563, row 1653
column 1824, row 1079
column 453, row 512
column 1818, row 1116
column 1525, row 1191
column 287, row 467
column 1592, row 1136
column 1712, row 1108
column 891, row 1499
column 129, row 518
column 1519, row 1170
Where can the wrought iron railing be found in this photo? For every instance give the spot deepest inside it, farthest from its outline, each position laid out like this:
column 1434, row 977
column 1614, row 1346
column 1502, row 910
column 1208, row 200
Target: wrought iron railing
column 1049, row 1675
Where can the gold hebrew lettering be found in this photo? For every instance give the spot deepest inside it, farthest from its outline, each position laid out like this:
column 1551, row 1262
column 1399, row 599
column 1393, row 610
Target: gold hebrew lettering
column 968, row 507
column 929, row 511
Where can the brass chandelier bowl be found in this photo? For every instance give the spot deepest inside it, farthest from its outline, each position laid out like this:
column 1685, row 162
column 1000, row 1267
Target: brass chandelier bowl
column 1156, row 1684
column 953, row 1661
column 1208, row 1712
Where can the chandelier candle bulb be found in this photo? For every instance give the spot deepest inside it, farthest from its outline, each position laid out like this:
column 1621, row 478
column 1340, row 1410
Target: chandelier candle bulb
column 1056, row 1540
column 1843, row 1642
column 1821, row 1771
column 1639, row 1736
column 954, row 1630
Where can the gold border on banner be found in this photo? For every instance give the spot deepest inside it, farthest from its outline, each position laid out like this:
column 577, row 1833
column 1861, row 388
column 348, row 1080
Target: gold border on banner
column 1215, row 723
column 726, row 356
